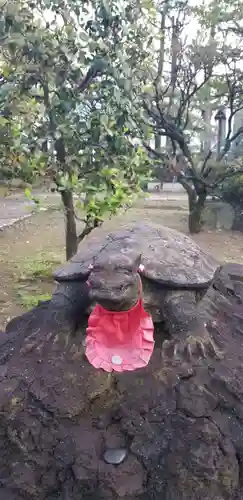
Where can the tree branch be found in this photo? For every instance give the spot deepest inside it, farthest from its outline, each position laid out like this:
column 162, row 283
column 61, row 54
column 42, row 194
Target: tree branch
column 88, row 228
column 94, row 71
column 205, row 161
column 227, row 175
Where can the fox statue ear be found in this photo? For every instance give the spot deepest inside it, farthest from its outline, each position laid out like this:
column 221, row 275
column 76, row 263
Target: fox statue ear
column 137, row 263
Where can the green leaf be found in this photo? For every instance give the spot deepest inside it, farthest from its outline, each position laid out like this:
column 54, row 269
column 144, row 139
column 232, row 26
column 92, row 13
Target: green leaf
column 28, row 193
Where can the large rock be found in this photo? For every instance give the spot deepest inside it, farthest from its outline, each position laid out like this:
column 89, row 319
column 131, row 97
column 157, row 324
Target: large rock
column 182, row 425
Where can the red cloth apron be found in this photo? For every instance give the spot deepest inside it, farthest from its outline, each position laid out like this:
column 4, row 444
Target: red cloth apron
column 120, row 341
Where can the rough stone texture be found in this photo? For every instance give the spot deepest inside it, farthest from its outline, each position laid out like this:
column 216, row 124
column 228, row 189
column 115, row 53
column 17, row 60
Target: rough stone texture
column 218, row 215
column 183, row 424
column 168, row 256
column 238, row 219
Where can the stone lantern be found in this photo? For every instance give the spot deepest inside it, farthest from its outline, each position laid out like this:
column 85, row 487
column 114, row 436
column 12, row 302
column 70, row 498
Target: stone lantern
column 220, row 117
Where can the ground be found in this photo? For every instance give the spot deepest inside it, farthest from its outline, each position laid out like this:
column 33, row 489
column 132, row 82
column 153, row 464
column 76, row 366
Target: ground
column 31, row 249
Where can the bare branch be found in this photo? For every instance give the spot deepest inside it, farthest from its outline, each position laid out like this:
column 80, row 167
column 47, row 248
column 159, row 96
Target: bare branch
column 91, row 74
column 205, row 161
column 153, row 151
column 89, row 226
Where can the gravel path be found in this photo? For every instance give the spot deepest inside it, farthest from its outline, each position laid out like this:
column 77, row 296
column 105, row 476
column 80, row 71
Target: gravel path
column 15, row 207
column 12, row 211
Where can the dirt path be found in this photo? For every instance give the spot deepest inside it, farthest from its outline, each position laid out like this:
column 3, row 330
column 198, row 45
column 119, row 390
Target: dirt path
column 30, row 250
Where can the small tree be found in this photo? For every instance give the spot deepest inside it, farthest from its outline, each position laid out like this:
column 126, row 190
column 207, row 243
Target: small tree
column 67, row 60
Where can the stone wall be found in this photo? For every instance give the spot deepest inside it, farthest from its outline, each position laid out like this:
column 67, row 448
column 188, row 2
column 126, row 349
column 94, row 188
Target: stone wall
column 219, row 215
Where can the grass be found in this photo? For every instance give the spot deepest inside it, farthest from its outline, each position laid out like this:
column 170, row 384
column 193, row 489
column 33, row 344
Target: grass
column 29, row 253
column 39, row 267
column 28, row 301
column 33, row 273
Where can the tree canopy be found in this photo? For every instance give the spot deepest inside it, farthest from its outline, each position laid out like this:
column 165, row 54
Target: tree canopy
column 93, row 94
column 62, row 111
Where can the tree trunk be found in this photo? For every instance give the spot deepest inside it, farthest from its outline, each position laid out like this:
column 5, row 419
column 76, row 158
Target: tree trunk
column 195, row 213
column 192, row 199
column 157, row 138
column 70, row 224
column 196, row 203
column 191, row 193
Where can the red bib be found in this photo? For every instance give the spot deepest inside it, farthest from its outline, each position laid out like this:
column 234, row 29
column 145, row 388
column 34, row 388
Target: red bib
column 120, row 341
